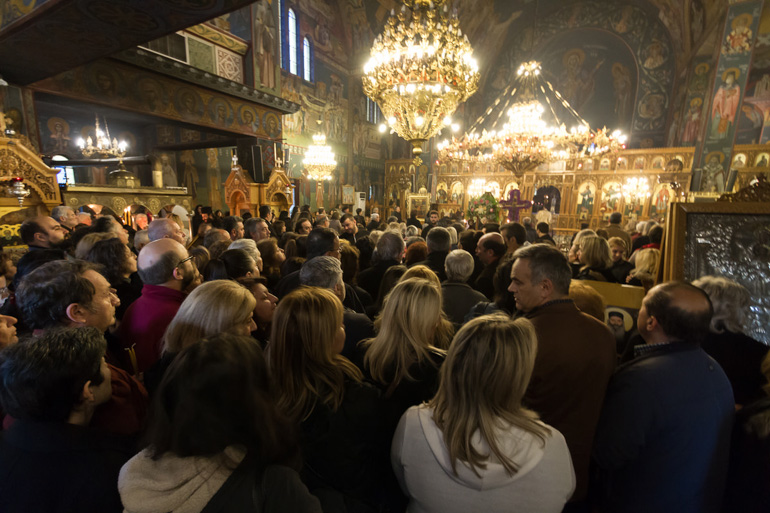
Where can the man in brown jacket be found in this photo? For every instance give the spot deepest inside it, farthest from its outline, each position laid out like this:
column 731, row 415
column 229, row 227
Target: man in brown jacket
column 615, row 230
column 575, row 355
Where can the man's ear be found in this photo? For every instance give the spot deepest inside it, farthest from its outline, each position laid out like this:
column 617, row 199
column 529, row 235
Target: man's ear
column 76, row 313
column 652, row 323
column 178, row 274
column 87, row 395
column 40, row 237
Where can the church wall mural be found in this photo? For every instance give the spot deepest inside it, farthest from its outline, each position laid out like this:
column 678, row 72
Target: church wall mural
column 740, row 31
column 696, row 102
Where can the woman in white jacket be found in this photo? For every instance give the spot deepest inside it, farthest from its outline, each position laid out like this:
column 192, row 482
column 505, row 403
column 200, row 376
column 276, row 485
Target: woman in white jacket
column 474, row 447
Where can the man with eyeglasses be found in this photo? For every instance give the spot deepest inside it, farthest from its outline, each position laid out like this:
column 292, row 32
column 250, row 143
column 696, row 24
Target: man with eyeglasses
column 168, row 274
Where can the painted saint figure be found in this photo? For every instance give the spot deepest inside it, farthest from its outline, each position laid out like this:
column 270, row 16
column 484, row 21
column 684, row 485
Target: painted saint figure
column 725, row 106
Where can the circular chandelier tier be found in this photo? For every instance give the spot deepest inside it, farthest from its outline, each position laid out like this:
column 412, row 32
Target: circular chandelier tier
column 524, row 140
column 636, row 189
column 319, row 160
column 103, row 145
column 421, row 68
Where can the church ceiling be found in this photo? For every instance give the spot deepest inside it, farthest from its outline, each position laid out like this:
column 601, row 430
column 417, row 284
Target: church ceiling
column 40, row 38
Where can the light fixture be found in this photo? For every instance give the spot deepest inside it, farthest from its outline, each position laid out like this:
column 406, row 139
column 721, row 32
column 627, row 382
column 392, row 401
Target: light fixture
column 18, row 189
column 527, row 140
column 103, row 146
column 477, row 188
column 319, row 160
column 421, row 68
column 636, row 189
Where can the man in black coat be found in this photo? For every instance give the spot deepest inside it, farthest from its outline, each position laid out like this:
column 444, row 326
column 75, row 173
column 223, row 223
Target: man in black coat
column 439, row 243
column 50, row 460
column 390, row 251
column 490, row 249
column 431, row 221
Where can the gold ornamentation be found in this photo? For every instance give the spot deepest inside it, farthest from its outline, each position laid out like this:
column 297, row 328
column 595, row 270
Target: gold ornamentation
column 216, row 37
column 756, row 192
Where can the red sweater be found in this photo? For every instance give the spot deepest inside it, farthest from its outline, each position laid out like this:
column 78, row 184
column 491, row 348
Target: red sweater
column 146, row 320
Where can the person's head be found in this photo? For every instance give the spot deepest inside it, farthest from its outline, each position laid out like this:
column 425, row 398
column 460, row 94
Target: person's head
column 141, row 221
column 108, row 224
column 304, row 226
column 540, row 274
column 616, row 218
column 233, row 225
column 165, row 262
column 615, row 319
column 349, row 224
column 391, row 246
column 118, row 262
column 265, row 212
column 86, row 243
column 42, row 232
column 232, row 265
column 59, row 376
column 7, row 331
column 587, row 300
column 490, row 248
column 250, row 247
column 647, row 261
column 655, row 234
column 65, row 216
column 324, row 272
column 350, row 256
column 458, row 266
column 323, row 241
column 321, row 221
column 272, row 256
column 503, row 298
column 220, row 306
column 574, row 252
column 527, row 222
column 165, row 228
column 514, row 236
column 412, row 231
column 481, row 387
column 542, row 229
column 85, row 218
column 375, row 217
column 216, row 394
column 423, row 272
column 214, row 236
column 257, row 229
column 416, row 252
column 675, row 311
column 141, row 239
column 67, row 293
column 409, row 328
column 306, row 338
column 730, row 301
column 432, row 217
column 467, row 241
column 617, row 248
column 595, row 252
column 266, row 302
column 201, row 256
column 438, row 240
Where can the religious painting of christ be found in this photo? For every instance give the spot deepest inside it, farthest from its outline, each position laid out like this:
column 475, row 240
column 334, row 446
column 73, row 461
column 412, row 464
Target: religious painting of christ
column 725, row 105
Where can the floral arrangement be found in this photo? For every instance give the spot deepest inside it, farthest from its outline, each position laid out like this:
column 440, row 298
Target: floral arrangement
column 485, row 206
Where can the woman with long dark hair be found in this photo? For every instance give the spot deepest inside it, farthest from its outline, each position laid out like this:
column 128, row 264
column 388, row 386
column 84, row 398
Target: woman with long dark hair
column 119, row 264
column 215, row 439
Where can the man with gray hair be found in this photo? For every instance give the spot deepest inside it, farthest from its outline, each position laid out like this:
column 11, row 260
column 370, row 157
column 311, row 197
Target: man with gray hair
column 165, row 228
column 325, row 272
column 439, row 243
column 458, row 296
column 390, row 251
column 256, row 229
column 575, row 354
column 374, row 222
column 65, row 216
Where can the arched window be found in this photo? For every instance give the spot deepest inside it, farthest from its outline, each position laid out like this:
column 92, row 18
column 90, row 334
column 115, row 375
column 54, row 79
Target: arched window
column 307, row 60
column 292, row 29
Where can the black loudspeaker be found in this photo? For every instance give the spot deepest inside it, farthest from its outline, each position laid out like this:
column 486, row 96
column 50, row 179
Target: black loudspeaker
column 250, row 159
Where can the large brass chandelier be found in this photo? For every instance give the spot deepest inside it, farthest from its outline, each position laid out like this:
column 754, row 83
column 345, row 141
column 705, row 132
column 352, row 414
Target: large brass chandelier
column 319, row 160
column 421, row 68
column 527, row 140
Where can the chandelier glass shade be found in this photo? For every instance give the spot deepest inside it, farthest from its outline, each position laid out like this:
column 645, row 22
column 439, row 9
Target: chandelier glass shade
column 636, row 189
column 527, row 140
column 477, row 188
column 103, row 146
column 319, row 160
column 421, row 68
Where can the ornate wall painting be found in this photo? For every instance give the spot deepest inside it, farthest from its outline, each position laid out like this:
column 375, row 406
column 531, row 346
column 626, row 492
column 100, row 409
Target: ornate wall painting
column 639, row 163
column 586, row 195
column 731, row 78
column 657, row 163
column 510, row 186
column 659, row 201
column 762, row 160
column 739, row 161
column 442, row 193
column 622, row 163
column 604, row 165
column 457, row 194
column 611, row 196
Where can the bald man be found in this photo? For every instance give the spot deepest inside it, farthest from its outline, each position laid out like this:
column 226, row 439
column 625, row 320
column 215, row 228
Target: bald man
column 165, row 228
column 663, row 438
column 65, row 216
column 168, row 274
column 41, row 232
column 490, row 249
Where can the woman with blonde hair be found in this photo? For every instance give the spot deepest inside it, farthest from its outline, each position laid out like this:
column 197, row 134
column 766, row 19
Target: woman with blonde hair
column 739, row 355
column 645, row 268
column 405, row 356
column 474, row 446
column 421, row 271
column 214, row 307
column 595, row 259
column 321, row 390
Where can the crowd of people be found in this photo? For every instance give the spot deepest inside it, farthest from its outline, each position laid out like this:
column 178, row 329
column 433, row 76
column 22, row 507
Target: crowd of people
column 351, row 363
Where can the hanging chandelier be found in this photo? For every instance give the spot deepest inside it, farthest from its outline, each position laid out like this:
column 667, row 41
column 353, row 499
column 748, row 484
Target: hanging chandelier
column 527, row 140
column 421, row 68
column 477, row 188
column 103, row 146
column 636, row 189
column 319, row 160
